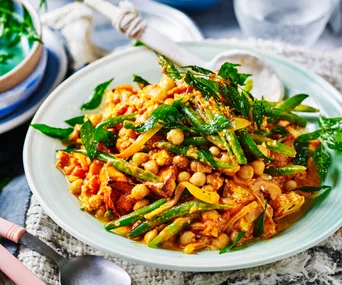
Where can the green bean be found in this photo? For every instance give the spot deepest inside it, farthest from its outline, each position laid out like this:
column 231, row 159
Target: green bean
column 278, row 114
column 251, row 146
column 181, row 210
column 134, row 216
column 194, row 153
column 273, row 145
column 305, row 108
column 171, row 230
column 285, row 170
column 196, row 141
column 236, row 147
column 292, row 102
column 124, row 166
column 112, row 122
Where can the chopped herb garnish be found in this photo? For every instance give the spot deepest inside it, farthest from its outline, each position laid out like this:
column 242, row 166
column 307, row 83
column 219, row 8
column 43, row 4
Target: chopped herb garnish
column 258, row 113
column 229, row 71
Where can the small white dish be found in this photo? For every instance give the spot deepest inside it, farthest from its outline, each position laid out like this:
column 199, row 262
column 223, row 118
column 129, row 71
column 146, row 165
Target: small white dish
column 56, row 68
column 26, row 67
column 16, row 96
column 52, row 190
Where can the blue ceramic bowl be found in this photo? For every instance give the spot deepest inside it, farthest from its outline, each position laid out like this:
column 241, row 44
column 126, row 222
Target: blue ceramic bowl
column 13, row 98
column 190, row 5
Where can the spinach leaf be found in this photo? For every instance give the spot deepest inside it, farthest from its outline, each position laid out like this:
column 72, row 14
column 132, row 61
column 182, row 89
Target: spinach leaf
column 58, row 133
column 95, row 100
column 169, row 67
column 305, row 138
column 230, row 246
column 259, row 225
column 228, row 71
column 258, row 113
column 89, row 139
column 4, row 57
column 322, row 160
column 76, row 120
column 218, row 123
column 198, row 69
column 140, row 80
column 205, row 86
column 331, row 132
column 310, row 189
column 319, row 199
column 105, row 137
column 330, row 123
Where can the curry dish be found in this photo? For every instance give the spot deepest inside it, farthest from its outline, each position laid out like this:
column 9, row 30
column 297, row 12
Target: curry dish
column 193, row 162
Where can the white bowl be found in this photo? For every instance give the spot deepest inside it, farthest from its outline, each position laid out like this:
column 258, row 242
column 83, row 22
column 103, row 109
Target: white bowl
column 25, row 68
column 51, row 188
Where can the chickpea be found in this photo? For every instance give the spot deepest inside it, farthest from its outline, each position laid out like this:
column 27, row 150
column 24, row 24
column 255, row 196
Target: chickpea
column 225, row 157
column 76, row 186
column 175, row 136
column 258, row 166
column 93, row 118
column 221, row 241
column 290, row 185
column 246, row 172
column 169, row 101
column 141, row 204
column 208, row 188
column 149, row 236
column 183, row 176
column 139, row 191
column 196, row 166
column 186, row 238
column 152, row 166
column 215, row 151
column 198, row 179
column 180, row 161
column 100, row 213
column 139, row 158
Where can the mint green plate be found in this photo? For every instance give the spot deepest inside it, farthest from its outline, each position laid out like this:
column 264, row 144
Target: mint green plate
column 51, row 187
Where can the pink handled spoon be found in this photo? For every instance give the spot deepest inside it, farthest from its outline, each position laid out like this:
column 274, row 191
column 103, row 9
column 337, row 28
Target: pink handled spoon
column 82, row 270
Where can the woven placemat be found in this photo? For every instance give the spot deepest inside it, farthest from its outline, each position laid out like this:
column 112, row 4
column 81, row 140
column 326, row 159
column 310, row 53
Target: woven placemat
column 321, row 264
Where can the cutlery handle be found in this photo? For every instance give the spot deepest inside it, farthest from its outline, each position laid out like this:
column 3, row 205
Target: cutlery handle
column 128, row 21
column 10, row 231
column 15, row 270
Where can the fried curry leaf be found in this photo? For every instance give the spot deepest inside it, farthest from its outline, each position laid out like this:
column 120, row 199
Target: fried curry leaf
column 278, row 130
column 228, row 71
column 310, row 189
column 58, row 133
column 138, row 79
column 170, row 69
column 166, row 115
column 208, row 157
column 76, row 120
column 198, row 69
column 218, row 123
column 322, row 160
column 88, row 137
column 258, row 113
column 205, row 86
column 259, row 225
column 105, row 137
column 238, row 101
column 301, row 146
column 230, row 246
column 95, row 100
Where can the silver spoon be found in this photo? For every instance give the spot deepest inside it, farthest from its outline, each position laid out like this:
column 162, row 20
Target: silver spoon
column 125, row 18
column 82, row 270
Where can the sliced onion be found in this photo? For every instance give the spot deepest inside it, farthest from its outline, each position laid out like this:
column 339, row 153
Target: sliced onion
column 239, row 123
column 139, row 143
column 244, row 211
column 205, row 196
